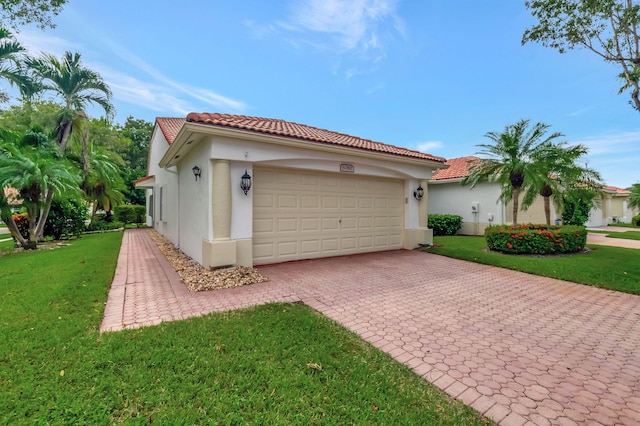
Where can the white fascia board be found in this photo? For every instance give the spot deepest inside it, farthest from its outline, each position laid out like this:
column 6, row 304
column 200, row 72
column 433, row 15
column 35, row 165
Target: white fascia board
column 192, row 132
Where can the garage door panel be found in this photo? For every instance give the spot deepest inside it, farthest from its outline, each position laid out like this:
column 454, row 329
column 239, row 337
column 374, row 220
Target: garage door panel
column 287, row 224
column 305, row 214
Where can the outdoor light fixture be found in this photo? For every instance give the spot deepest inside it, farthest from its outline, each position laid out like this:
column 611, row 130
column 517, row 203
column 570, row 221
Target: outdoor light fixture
column 245, row 183
column 418, row 193
column 196, row 172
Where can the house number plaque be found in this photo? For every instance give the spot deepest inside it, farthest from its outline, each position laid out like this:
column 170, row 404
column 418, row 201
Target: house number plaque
column 347, row 168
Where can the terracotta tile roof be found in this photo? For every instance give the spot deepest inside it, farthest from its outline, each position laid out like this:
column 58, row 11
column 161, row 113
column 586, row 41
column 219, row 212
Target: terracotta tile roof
column 170, row 127
column 301, row 131
column 458, row 168
column 617, row 190
column 142, row 179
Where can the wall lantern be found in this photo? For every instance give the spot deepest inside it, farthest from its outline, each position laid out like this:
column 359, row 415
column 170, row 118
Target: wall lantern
column 245, row 183
column 196, row 172
column 418, row 193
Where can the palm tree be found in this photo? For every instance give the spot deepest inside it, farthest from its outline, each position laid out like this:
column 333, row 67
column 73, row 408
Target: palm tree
column 560, row 173
column 102, row 183
column 38, row 172
column 11, row 52
column 78, row 87
column 634, row 198
column 512, row 160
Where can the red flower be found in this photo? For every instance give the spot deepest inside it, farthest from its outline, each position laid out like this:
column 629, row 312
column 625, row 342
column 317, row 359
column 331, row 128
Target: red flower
column 510, row 245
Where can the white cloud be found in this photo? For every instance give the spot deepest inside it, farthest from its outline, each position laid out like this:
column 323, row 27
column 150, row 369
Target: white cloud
column 429, row 146
column 613, row 143
column 363, row 27
column 159, row 93
column 39, row 42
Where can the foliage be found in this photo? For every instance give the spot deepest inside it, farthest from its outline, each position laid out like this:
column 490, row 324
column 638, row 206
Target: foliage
column 444, row 224
column 10, row 54
column 33, row 166
column 241, row 367
column 138, row 133
column 636, row 220
column 25, row 12
column 536, row 239
column 512, row 162
column 577, row 205
column 608, row 28
column 76, row 85
column 22, row 222
column 130, row 214
column 613, row 268
column 66, row 219
column 104, row 222
column 634, row 197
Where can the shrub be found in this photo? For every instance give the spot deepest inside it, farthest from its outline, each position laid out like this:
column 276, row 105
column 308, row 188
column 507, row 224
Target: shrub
column 130, row 214
column 22, row 222
column 66, row 219
column 444, row 224
column 536, row 239
column 575, row 211
column 104, row 222
column 636, row 220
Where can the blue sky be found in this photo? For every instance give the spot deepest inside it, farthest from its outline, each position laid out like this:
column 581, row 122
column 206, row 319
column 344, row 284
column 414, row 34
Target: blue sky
column 429, row 75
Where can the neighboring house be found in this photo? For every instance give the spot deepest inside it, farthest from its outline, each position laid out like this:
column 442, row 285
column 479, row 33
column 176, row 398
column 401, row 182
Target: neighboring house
column 314, row 193
column 613, row 208
column 479, row 206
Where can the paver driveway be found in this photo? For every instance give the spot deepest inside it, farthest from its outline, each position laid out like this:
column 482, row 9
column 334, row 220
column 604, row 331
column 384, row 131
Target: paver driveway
column 520, row 349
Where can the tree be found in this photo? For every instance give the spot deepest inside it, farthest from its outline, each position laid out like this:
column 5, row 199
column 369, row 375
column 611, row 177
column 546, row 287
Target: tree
column 634, row 198
column 560, row 172
column 32, row 165
column 102, row 184
column 10, row 54
column 138, row 132
column 512, row 160
column 608, row 28
column 577, row 204
column 30, row 11
column 78, row 87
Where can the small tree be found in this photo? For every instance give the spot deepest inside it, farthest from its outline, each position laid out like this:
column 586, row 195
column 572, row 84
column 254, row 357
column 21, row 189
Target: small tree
column 608, row 28
column 512, row 160
column 634, row 198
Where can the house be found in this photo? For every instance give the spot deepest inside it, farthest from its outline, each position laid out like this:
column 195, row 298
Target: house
column 236, row 190
column 479, row 206
column 613, row 207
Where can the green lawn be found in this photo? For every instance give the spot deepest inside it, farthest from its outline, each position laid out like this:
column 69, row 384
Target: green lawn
column 607, row 267
column 275, row 364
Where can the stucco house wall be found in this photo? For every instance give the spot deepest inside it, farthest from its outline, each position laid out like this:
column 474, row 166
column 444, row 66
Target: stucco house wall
column 451, row 197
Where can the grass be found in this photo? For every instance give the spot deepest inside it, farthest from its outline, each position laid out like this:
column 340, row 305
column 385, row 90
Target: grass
column 623, row 225
column 606, row 267
column 274, row 364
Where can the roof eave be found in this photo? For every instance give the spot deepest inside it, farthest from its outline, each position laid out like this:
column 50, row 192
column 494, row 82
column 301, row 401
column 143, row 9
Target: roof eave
column 189, row 131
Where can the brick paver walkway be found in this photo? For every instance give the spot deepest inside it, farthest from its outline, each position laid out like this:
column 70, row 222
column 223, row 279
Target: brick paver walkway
column 520, row 349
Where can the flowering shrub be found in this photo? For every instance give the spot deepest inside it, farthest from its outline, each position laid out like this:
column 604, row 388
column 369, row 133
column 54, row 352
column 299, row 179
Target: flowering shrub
column 22, row 222
column 536, row 239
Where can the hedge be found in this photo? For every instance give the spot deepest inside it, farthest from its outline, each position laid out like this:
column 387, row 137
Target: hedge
column 536, row 239
column 444, row 224
column 130, row 214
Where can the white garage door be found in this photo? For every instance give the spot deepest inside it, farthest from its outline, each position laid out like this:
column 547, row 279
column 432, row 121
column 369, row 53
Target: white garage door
column 305, row 215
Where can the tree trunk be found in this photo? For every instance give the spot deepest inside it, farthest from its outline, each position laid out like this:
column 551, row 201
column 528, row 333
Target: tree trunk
column 44, row 213
column 32, row 213
column 7, row 218
column 547, row 209
column 516, row 204
column 85, row 151
column 65, row 132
